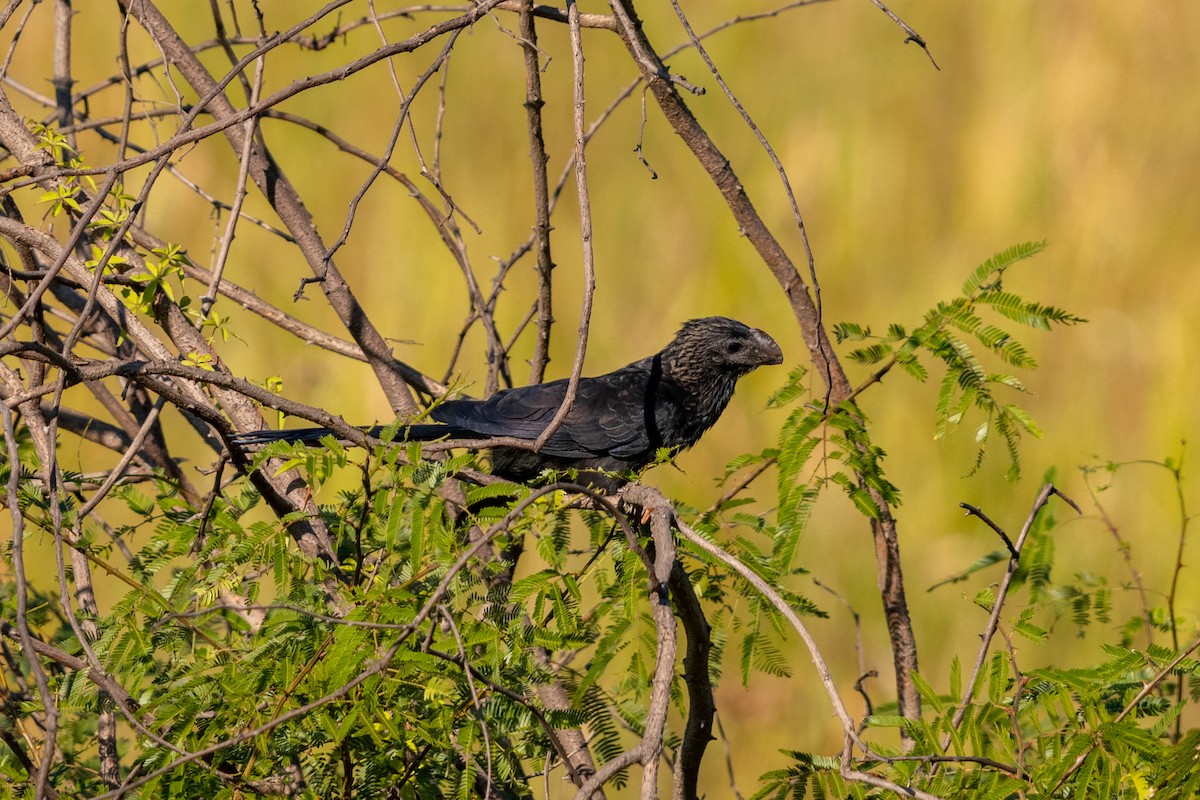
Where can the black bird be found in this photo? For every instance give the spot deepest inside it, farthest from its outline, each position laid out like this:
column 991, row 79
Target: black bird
column 618, row 421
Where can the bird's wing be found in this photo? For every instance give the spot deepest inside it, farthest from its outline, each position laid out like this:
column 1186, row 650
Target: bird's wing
column 608, row 417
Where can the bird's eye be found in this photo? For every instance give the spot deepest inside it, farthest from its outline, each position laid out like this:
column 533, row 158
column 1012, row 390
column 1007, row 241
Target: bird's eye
column 734, row 347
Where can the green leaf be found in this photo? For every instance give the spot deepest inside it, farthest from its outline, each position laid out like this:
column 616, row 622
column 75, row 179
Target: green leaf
column 872, row 354
column 1027, row 629
column 1023, row 419
column 993, row 269
column 913, row 366
column 850, row 331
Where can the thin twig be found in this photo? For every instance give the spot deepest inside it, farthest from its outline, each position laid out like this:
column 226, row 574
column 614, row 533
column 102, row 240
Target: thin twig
column 733, row 787
column 863, row 672
column 997, row 605
column 978, row 512
column 239, row 197
column 912, row 35
column 1124, row 548
column 541, row 197
column 585, row 231
column 476, row 702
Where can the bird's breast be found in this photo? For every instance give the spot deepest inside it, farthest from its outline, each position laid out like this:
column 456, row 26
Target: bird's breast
column 702, row 405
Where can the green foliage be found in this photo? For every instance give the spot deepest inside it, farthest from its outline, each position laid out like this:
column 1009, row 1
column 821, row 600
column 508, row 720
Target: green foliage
column 954, row 333
column 280, row 678
column 412, row 662
column 1044, row 733
column 1111, row 728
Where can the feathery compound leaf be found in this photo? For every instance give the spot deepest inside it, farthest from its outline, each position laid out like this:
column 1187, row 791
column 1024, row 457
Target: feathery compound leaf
column 792, row 388
column 1029, row 314
column 1004, row 379
column 993, row 269
column 1005, row 346
column 1027, row 629
column 1012, row 437
column 747, row 459
column 871, row 354
column 942, row 406
column 859, row 496
column 490, row 491
column 771, row 660
column 965, row 320
column 1022, row 418
column 850, row 331
column 1017, row 355
column 910, row 364
column 995, row 557
column 1003, row 302
column 795, row 510
column 796, row 443
column 972, row 373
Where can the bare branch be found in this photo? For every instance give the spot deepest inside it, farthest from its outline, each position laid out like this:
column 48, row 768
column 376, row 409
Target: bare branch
column 912, row 35
column 697, row 732
column 997, row 606
column 585, row 233
column 541, row 198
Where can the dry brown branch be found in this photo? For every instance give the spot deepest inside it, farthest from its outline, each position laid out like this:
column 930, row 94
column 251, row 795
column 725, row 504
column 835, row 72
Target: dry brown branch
column 721, row 173
column 585, row 232
column 541, row 198
column 1047, row 491
column 18, row 140
column 283, row 196
column 697, row 731
column 239, row 195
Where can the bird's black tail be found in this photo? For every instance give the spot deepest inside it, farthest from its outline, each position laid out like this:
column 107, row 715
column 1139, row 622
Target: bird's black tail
column 415, row 433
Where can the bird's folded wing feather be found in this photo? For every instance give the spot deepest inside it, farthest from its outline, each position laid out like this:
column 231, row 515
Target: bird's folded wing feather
column 609, row 415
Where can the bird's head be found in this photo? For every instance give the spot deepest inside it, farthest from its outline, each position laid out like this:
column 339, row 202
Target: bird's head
column 721, row 344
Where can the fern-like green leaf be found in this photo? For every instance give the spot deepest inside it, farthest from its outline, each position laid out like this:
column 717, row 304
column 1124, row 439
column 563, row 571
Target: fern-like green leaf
column 910, row 364
column 850, row 332
column 871, row 354
column 993, row 269
column 941, row 407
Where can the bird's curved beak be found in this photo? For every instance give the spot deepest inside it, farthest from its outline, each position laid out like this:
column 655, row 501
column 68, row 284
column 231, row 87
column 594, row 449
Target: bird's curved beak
column 768, row 348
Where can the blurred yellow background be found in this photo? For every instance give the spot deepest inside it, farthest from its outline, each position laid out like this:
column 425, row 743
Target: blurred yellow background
column 1076, row 122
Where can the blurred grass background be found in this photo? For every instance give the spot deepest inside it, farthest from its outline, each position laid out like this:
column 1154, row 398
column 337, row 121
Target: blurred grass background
column 1072, row 121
